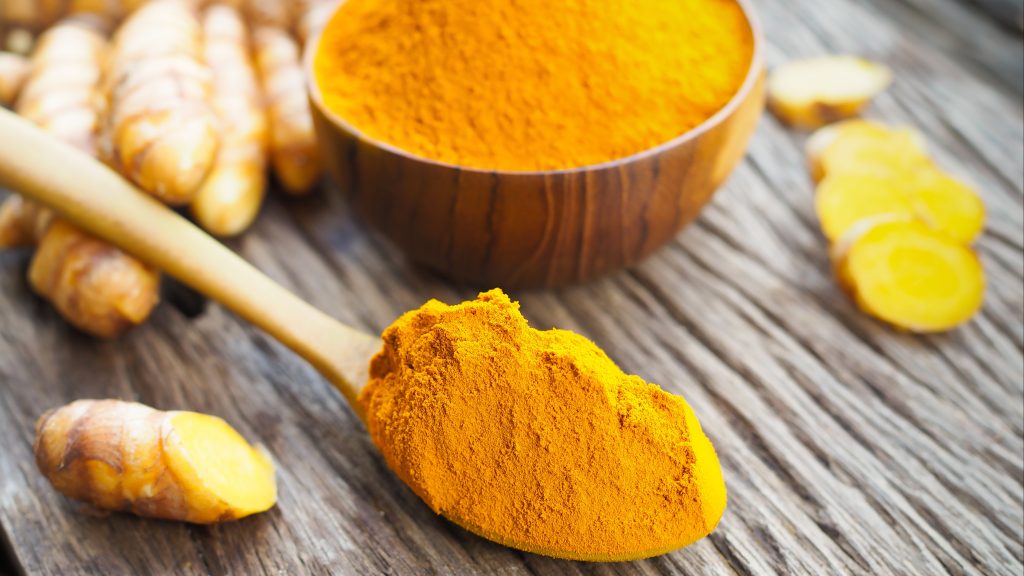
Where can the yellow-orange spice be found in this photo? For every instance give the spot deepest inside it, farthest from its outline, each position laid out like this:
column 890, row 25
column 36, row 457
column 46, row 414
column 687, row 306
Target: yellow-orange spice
column 536, row 439
column 531, row 84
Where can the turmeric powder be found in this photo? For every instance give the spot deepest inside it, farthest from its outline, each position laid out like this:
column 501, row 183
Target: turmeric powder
column 531, row 85
column 536, row 439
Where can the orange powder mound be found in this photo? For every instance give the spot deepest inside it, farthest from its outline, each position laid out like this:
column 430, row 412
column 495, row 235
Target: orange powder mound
column 536, row 439
column 531, row 84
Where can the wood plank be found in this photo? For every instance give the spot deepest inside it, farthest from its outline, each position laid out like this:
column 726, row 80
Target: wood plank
column 848, row 448
column 1008, row 13
column 957, row 31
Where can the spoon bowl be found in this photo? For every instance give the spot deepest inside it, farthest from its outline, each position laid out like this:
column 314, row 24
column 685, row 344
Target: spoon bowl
column 540, row 228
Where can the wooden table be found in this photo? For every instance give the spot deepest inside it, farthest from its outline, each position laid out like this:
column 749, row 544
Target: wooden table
column 848, row 447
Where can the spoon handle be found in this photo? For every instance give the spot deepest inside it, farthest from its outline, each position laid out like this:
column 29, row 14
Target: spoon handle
column 90, row 195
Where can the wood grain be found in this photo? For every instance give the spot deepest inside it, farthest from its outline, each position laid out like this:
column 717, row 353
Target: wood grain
column 848, row 448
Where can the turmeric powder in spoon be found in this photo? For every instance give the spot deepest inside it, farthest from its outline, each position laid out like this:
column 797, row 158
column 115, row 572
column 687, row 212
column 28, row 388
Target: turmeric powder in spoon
column 536, row 439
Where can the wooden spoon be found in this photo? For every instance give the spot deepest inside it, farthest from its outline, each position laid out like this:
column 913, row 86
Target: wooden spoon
column 93, row 197
column 90, row 195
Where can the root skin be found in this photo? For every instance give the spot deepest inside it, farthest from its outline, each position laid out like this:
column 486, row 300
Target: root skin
column 231, row 195
column 158, row 128
column 294, row 155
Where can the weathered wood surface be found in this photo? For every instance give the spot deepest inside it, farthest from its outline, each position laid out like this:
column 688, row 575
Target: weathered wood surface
column 847, row 447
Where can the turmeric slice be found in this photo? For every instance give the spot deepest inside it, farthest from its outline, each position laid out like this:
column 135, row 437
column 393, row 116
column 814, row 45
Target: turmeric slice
column 864, row 146
column 947, row 204
column 926, row 194
column 817, row 91
column 845, row 199
column 294, row 155
column 231, row 195
column 125, row 456
column 159, row 129
column 14, row 70
column 909, row 275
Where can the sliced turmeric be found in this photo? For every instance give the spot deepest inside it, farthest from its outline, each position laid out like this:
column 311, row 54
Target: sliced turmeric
column 14, row 70
column 231, row 195
column 159, row 129
column 125, row 456
column 293, row 151
column 845, row 199
column 909, row 275
column 864, row 146
column 926, row 194
column 947, row 204
column 96, row 287
column 817, row 91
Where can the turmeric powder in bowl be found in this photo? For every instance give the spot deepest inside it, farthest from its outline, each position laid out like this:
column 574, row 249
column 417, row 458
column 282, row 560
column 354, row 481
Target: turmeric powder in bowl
column 536, row 439
column 533, row 84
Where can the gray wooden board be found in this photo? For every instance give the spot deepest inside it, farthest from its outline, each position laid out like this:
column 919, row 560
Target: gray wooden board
column 848, row 447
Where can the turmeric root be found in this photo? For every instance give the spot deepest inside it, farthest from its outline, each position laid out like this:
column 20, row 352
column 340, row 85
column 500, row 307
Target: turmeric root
column 58, row 95
column 22, row 223
column 864, row 146
column 230, row 198
column 13, row 72
column 62, row 91
column 31, row 15
column 817, row 91
column 909, row 275
column 94, row 286
column 273, row 13
column 158, row 128
column 111, row 11
column 293, row 150
column 125, row 456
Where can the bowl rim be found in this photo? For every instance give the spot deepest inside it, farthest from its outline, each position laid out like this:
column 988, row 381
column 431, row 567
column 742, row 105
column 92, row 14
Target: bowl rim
column 753, row 76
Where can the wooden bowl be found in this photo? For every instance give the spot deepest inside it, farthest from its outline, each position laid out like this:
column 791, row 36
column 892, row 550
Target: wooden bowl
column 544, row 228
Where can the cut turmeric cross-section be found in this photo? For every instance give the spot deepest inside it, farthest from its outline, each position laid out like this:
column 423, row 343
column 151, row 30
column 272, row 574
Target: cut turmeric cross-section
column 910, row 275
column 843, row 200
column 864, row 146
column 947, row 204
column 814, row 92
column 173, row 465
column 927, row 194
